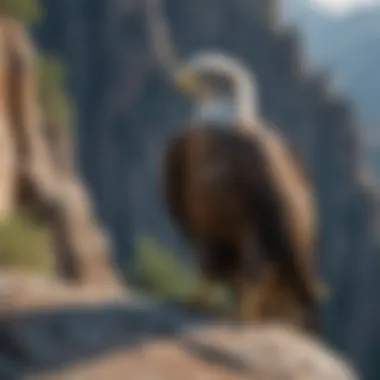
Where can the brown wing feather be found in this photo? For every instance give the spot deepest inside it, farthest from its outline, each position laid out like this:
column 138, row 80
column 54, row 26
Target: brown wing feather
column 174, row 180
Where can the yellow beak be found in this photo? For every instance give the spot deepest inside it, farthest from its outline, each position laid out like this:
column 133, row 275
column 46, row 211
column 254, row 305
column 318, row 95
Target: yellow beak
column 190, row 83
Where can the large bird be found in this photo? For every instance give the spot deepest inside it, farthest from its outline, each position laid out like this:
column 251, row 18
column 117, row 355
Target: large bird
column 236, row 190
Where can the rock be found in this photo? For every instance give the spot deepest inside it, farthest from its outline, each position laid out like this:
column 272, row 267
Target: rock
column 51, row 190
column 62, row 339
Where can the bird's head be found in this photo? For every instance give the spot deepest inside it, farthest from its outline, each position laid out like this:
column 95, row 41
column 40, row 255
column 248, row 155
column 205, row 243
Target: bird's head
column 209, row 74
column 222, row 87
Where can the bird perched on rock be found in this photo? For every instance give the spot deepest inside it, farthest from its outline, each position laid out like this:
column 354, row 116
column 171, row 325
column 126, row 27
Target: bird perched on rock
column 236, row 190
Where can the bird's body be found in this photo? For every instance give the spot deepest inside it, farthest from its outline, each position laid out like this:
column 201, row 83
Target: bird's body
column 244, row 202
column 235, row 189
column 204, row 197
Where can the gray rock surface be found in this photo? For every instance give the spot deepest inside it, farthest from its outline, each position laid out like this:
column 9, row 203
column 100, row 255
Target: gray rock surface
column 79, row 343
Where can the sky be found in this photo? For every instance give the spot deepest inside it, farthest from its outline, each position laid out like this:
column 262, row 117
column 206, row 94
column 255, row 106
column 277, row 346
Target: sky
column 342, row 6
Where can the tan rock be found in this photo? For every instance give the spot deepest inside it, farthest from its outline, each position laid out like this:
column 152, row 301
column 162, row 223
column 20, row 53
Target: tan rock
column 269, row 353
column 52, row 190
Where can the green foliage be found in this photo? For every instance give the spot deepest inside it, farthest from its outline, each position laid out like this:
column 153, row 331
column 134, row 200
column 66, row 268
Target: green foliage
column 57, row 104
column 160, row 273
column 24, row 244
column 28, row 11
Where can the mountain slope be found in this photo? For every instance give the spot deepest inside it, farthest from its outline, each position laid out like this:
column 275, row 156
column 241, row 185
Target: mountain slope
column 349, row 48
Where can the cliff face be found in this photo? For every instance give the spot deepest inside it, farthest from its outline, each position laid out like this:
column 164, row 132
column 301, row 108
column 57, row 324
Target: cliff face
column 348, row 47
column 126, row 111
column 37, row 175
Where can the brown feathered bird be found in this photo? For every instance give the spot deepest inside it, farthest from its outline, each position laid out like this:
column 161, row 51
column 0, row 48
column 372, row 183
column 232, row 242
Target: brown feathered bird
column 237, row 192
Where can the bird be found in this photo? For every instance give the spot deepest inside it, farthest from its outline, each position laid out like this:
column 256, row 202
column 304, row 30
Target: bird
column 240, row 195
column 237, row 191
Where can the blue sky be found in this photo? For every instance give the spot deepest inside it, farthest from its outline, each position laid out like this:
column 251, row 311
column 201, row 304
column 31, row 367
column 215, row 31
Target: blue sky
column 339, row 6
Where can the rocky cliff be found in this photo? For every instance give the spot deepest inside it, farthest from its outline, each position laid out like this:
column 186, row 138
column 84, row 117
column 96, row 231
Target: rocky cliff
column 36, row 177
column 127, row 111
column 347, row 47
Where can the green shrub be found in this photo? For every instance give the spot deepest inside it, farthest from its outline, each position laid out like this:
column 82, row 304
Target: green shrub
column 28, row 11
column 160, row 273
column 25, row 245
column 58, row 106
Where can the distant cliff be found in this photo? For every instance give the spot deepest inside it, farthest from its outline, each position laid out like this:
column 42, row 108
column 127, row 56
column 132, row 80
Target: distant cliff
column 126, row 112
column 348, row 47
